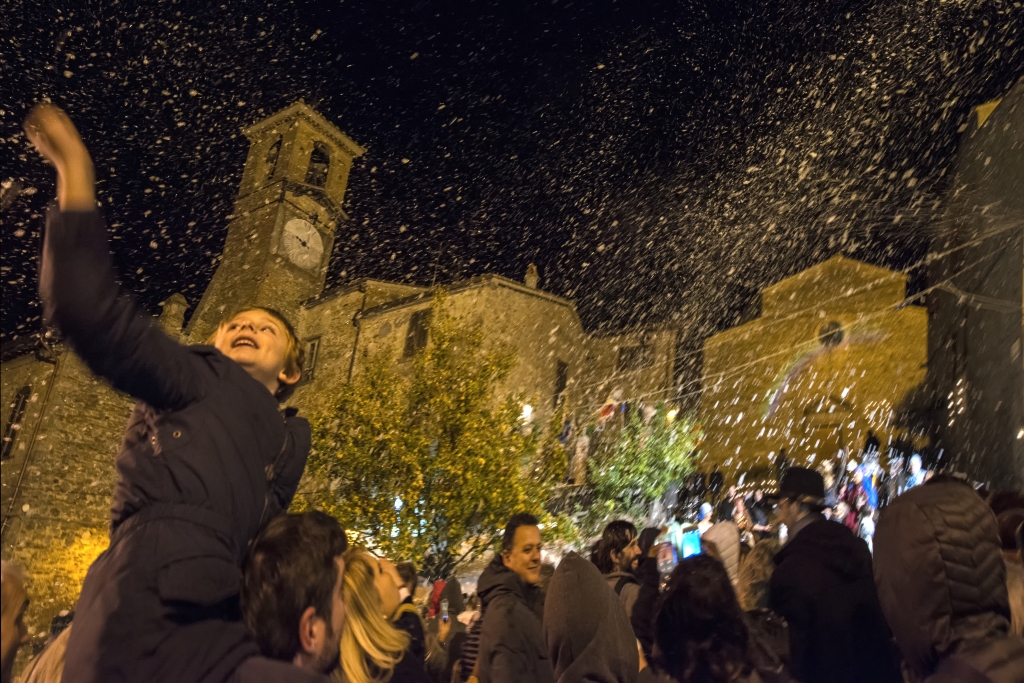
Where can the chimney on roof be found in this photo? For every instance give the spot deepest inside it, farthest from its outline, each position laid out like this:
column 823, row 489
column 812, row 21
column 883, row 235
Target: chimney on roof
column 532, row 276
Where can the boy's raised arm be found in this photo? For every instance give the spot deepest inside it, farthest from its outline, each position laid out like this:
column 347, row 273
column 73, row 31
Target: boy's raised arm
column 77, row 287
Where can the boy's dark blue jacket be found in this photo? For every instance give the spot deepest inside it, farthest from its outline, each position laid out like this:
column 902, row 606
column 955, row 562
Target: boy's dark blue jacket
column 206, row 457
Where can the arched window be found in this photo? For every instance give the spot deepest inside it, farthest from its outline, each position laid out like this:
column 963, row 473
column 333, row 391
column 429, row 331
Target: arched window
column 272, row 156
column 14, row 419
column 319, row 164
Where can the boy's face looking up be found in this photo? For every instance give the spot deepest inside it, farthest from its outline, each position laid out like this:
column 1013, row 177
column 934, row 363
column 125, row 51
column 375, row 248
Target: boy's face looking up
column 259, row 343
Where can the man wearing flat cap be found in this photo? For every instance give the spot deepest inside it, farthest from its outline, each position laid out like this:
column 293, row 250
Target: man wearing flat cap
column 824, row 587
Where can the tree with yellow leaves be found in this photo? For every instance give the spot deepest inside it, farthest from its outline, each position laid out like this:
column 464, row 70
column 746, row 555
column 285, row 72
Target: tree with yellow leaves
column 428, row 465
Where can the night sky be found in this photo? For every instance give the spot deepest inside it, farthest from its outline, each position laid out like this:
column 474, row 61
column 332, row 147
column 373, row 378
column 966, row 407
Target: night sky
column 660, row 162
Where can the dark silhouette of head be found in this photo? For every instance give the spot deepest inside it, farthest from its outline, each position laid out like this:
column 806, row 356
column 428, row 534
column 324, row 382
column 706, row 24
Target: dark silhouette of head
column 617, row 536
column 700, row 635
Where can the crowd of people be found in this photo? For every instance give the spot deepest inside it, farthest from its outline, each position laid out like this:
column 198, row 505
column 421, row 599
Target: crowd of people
column 855, row 491
column 208, row 579
column 941, row 600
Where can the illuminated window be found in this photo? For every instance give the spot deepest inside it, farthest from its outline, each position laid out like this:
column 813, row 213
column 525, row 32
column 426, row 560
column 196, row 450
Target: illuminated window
column 14, row 419
column 273, row 154
column 319, row 164
column 416, row 337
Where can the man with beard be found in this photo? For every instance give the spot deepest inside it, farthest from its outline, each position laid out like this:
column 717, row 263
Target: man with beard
column 292, row 591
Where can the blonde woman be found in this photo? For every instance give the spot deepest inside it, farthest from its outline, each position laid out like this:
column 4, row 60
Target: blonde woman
column 373, row 650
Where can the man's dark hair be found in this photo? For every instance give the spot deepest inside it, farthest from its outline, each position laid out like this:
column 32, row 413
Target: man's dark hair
column 407, row 570
column 615, row 537
column 291, row 567
column 509, row 537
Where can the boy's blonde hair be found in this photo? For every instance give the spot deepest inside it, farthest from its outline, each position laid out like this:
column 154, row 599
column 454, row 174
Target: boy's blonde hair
column 294, row 354
column 371, row 647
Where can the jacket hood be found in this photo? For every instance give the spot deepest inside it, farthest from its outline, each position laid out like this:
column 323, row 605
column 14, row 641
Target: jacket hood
column 726, row 537
column 497, row 579
column 832, row 545
column 588, row 634
column 941, row 580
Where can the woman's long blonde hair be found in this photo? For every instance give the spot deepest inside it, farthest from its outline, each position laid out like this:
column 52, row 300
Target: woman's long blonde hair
column 371, row 646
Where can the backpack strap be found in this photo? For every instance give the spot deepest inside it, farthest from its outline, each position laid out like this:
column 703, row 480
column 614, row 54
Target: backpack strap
column 621, row 583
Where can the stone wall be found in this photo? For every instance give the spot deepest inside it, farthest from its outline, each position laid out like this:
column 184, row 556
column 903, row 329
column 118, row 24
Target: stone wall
column 636, row 365
column 540, row 328
column 59, row 520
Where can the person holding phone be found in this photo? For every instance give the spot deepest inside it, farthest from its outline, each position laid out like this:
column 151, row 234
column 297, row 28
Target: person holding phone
column 445, row 633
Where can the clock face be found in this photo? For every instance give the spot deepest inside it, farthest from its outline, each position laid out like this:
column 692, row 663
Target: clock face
column 302, row 243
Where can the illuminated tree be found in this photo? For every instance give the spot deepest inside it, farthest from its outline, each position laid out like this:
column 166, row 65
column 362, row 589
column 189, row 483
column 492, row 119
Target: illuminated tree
column 429, row 464
column 637, row 467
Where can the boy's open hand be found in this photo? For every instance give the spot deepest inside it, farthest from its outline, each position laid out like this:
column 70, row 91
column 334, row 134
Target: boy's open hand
column 52, row 133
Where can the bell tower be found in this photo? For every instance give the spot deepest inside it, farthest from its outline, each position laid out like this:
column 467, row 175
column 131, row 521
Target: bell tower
column 282, row 228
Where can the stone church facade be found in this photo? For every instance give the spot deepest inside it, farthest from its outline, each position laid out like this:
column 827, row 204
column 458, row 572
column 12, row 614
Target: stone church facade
column 62, row 426
column 834, row 354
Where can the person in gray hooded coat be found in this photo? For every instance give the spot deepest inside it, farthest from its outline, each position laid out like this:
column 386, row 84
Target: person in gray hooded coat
column 941, row 584
column 588, row 634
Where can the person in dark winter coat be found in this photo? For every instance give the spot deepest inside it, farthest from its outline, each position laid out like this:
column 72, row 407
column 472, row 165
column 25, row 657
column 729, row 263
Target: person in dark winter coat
column 471, row 650
column 207, row 458
column 407, row 617
column 645, row 607
column 444, row 636
column 940, row 579
column 824, row 588
column 512, row 648
column 588, row 635
column 702, row 635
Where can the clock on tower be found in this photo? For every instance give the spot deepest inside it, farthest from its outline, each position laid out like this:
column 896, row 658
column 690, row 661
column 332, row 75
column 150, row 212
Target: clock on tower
column 302, row 243
column 282, row 228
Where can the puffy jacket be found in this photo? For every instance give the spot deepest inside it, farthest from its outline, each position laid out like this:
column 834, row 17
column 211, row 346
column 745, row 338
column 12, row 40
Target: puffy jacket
column 726, row 537
column 823, row 587
column 512, row 648
column 941, row 583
